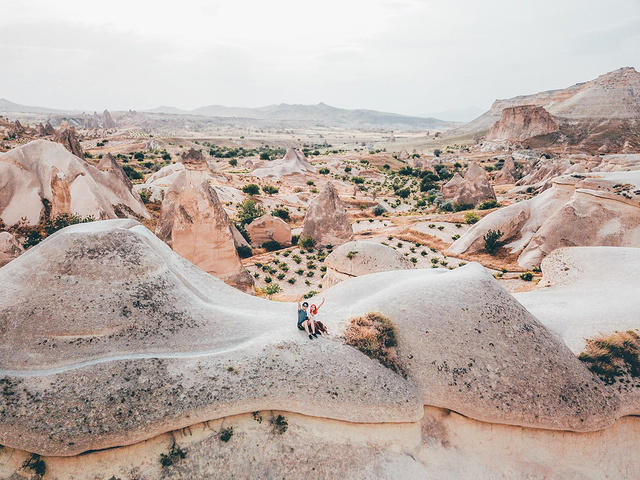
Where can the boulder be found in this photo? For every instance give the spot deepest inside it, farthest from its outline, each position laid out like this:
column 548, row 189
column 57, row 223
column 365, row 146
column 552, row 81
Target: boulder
column 578, row 210
column 42, row 178
column 10, row 248
column 269, row 228
column 326, row 220
column 357, row 258
column 69, row 139
column 473, row 188
column 194, row 224
column 521, row 123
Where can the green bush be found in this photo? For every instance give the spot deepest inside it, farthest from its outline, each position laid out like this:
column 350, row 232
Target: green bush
column 132, row 173
column 251, row 189
column 358, row 180
column 527, row 276
column 139, row 156
column 271, row 290
column 347, row 169
column 471, row 217
column 489, row 204
column 233, row 162
column 35, row 464
column 307, row 242
column 403, row 192
column 379, row 210
column 295, row 239
column 226, row 434
column 323, row 171
column 270, row 189
column 249, row 210
column 272, row 246
column 282, row 213
column 492, row 241
column 244, row 251
column 460, row 207
column 613, row 356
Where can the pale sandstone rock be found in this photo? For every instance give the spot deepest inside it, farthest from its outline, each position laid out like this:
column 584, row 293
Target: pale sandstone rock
column 10, row 248
column 194, row 224
column 474, row 188
column 522, row 122
column 580, row 210
column 293, row 162
column 403, row 155
column 508, row 174
column 326, row 221
column 45, row 171
column 107, row 120
column 366, row 258
column 48, row 129
column 267, row 228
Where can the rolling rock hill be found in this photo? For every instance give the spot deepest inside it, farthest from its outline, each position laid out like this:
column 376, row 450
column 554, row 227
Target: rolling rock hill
column 121, row 359
column 602, row 114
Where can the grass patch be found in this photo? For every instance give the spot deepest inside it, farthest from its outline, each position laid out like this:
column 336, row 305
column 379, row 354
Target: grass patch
column 613, row 356
column 375, row 336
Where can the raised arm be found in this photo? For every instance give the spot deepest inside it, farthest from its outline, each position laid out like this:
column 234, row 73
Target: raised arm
column 321, row 303
column 299, row 304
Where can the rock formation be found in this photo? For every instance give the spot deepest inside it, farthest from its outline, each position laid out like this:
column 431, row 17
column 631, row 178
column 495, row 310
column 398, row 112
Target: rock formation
column 167, row 346
column 43, row 178
column 40, row 130
column 18, row 130
column 48, row 129
column 354, row 259
column 107, row 120
column 267, row 228
column 508, row 174
column 522, row 122
column 326, row 221
column 293, row 162
column 578, row 210
column 194, row 224
column 10, row 248
column 403, row 155
column 474, row 188
column 69, row 138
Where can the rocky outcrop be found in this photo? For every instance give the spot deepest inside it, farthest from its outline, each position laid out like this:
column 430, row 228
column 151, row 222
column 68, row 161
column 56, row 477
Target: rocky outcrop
column 354, row 259
column 473, row 188
column 48, row 129
column 522, row 122
column 68, row 137
column 42, row 178
column 194, row 224
column 194, row 159
column 10, row 248
column 508, row 174
column 578, row 210
column 403, row 155
column 269, row 228
column 293, row 162
column 107, row 120
column 326, row 220
column 166, row 346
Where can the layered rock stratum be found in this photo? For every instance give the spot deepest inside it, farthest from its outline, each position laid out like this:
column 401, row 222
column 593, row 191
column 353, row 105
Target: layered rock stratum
column 521, row 123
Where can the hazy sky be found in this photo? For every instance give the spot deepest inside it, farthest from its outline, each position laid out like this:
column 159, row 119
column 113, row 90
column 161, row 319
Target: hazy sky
column 404, row 56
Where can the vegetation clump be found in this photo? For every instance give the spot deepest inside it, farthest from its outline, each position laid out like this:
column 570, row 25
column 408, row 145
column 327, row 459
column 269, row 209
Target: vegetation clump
column 492, row 241
column 470, row 218
column 613, row 356
column 35, row 464
column 175, row 453
column 375, row 336
column 225, row 434
column 280, row 424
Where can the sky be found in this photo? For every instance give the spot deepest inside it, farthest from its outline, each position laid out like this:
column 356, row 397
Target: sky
column 404, row 56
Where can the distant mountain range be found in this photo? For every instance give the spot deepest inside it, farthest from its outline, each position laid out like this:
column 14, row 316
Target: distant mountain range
column 318, row 114
column 8, row 106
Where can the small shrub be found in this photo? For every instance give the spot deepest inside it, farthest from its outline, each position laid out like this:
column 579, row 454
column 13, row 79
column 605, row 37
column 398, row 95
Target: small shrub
column 492, row 241
column 244, row 251
column 282, row 213
column 347, row 169
column 268, row 279
column 489, row 204
column 375, row 336
column 358, row 180
column 175, row 453
column 291, row 280
column 440, row 227
column 272, row 246
column 403, row 192
column 432, row 225
column 455, row 237
column 310, row 182
column 295, row 239
column 470, row 218
column 351, row 254
column 323, row 171
column 225, row 434
column 270, row 189
column 280, row 424
column 459, row 207
column 251, row 189
column 307, row 242
column 257, row 417
column 233, row 162
column 527, row 276
column 299, row 271
column 310, row 273
column 613, row 356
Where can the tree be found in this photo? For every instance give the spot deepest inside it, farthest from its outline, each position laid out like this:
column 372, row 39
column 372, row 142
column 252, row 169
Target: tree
column 437, row 152
column 269, row 189
column 249, row 210
column 492, row 241
column 271, row 289
column 251, row 189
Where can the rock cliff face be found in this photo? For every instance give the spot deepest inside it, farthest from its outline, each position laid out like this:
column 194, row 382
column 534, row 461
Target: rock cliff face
column 473, row 188
column 326, row 221
column 193, row 223
column 578, row 210
column 521, row 123
column 45, row 172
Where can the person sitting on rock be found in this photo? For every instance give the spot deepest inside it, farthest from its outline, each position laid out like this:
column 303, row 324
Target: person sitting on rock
column 303, row 320
column 318, row 326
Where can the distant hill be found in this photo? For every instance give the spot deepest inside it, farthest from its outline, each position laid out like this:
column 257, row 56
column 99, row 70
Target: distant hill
column 612, row 98
column 317, row 114
column 459, row 115
column 7, row 106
